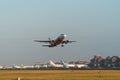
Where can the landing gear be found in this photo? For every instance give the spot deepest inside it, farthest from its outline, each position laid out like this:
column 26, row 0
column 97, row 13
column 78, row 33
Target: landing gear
column 62, row 45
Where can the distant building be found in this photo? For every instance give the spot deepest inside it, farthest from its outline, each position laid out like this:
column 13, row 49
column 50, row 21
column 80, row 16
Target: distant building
column 108, row 62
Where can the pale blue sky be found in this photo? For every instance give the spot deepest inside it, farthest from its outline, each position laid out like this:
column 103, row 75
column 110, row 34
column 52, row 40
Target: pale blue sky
column 94, row 24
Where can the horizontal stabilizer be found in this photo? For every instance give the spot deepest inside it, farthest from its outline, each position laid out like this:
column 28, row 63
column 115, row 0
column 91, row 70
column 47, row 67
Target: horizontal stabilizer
column 46, row 45
column 72, row 41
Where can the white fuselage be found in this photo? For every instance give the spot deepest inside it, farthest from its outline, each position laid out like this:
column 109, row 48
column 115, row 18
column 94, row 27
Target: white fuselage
column 59, row 40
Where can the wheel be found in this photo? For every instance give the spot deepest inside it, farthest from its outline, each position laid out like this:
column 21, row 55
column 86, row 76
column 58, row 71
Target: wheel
column 62, row 45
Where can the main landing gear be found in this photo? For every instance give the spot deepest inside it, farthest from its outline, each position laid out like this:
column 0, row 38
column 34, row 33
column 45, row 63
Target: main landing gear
column 62, row 45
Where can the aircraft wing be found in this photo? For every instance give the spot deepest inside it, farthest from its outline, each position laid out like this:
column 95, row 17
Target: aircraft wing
column 42, row 41
column 67, row 41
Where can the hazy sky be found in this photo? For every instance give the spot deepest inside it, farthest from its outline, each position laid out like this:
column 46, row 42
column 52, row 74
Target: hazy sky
column 94, row 24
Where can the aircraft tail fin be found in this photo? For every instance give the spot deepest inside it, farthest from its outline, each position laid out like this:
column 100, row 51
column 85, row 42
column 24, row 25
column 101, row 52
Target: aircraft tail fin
column 64, row 64
column 52, row 63
column 50, row 40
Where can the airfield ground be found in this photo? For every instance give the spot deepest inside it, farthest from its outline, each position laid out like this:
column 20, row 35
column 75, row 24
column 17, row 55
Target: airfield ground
column 60, row 74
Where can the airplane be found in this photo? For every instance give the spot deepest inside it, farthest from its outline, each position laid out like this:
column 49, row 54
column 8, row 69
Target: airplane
column 21, row 66
column 81, row 65
column 57, row 41
column 66, row 65
column 18, row 67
